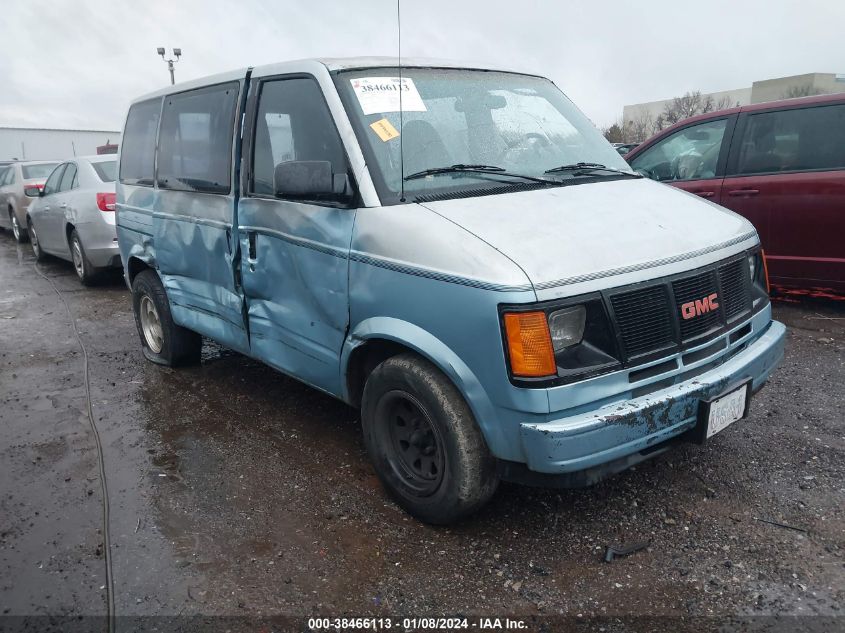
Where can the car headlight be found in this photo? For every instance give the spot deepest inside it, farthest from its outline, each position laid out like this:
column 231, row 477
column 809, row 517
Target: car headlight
column 567, row 326
column 560, row 343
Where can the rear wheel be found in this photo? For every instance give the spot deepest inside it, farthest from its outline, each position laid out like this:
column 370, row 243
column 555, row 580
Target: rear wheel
column 424, row 442
column 162, row 341
column 17, row 230
column 40, row 256
column 84, row 270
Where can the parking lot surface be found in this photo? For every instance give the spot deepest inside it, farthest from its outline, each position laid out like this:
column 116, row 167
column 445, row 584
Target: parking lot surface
column 235, row 490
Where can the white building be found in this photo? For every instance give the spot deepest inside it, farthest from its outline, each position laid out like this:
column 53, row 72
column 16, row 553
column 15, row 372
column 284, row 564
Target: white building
column 760, row 91
column 25, row 143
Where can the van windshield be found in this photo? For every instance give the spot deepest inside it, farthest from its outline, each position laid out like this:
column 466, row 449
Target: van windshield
column 517, row 124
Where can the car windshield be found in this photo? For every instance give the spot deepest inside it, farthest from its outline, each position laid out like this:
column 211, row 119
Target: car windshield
column 520, row 124
column 42, row 170
column 105, row 170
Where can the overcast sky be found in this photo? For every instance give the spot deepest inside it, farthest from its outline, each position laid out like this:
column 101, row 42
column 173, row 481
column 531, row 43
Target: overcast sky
column 77, row 63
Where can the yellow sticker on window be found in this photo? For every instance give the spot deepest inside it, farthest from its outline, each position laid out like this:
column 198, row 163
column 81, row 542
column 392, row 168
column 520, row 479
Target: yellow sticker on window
column 384, row 129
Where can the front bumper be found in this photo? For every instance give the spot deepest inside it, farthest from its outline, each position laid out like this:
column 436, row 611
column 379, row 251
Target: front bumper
column 619, row 433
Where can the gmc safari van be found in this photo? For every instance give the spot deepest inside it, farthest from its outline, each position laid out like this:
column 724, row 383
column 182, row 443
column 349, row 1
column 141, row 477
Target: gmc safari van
column 459, row 253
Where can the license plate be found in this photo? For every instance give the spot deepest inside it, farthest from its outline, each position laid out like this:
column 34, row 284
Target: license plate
column 726, row 410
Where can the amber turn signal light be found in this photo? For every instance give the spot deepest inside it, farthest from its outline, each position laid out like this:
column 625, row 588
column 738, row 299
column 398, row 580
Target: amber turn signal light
column 529, row 344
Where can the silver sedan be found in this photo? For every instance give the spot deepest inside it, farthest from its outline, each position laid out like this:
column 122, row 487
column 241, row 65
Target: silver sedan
column 73, row 216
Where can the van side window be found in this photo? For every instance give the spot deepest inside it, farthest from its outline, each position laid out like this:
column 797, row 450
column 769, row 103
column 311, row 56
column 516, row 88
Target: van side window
column 293, row 123
column 195, row 142
column 793, row 140
column 137, row 156
column 689, row 154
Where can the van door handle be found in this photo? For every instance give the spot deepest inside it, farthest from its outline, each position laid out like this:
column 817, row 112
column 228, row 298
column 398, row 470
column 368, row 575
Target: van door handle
column 705, row 194
column 63, row 205
column 744, row 192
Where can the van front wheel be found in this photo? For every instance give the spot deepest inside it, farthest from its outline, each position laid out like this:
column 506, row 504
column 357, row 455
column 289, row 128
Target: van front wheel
column 162, row 341
column 424, row 442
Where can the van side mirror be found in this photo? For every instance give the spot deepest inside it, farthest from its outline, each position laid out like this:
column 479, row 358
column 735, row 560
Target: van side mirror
column 32, row 192
column 310, row 180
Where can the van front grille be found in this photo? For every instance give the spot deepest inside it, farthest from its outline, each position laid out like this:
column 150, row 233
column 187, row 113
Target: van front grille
column 688, row 291
column 735, row 280
column 650, row 319
column 644, row 319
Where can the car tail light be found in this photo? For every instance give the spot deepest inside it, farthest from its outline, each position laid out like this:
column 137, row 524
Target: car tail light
column 106, row 201
column 39, row 185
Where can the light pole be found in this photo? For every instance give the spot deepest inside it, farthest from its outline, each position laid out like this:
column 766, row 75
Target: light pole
column 178, row 53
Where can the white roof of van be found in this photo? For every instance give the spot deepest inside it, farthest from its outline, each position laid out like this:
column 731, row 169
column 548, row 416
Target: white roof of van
column 331, row 63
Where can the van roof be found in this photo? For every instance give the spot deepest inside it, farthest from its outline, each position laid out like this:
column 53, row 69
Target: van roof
column 333, row 64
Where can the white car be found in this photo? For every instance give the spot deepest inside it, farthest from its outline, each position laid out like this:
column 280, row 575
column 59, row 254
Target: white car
column 73, row 216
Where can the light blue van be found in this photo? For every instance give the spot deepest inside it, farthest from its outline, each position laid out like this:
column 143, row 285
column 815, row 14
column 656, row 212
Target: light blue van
column 457, row 252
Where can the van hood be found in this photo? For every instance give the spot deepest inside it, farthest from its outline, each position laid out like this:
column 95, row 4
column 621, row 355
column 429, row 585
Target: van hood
column 568, row 235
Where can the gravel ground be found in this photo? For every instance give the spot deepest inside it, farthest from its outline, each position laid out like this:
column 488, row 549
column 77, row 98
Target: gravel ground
column 237, row 491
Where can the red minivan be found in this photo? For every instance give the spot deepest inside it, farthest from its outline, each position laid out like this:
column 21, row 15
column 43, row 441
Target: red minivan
column 781, row 165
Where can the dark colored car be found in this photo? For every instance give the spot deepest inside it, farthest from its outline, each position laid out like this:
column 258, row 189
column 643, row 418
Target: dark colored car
column 781, row 165
column 624, row 148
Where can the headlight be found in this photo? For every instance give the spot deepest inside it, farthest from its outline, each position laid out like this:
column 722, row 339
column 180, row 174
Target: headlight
column 561, row 343
column 567, row 326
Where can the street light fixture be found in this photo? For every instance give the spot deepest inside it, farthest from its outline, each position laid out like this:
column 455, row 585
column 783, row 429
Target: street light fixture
column 177, row 52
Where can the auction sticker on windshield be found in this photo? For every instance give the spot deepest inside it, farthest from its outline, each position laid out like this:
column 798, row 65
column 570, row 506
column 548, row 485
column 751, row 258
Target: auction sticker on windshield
column 726, row 410
column 381, row 94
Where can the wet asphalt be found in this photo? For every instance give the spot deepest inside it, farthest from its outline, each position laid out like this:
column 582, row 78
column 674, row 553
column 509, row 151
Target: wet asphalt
column 235, row 490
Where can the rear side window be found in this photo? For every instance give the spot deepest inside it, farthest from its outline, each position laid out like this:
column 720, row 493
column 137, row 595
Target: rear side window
column 105, row 170
column 804, row 139
column 69, row 178
column 137, row 156
column 195, row 143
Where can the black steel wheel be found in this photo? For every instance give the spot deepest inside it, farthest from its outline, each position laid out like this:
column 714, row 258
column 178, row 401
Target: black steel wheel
column 417, row 454
column 424, row 442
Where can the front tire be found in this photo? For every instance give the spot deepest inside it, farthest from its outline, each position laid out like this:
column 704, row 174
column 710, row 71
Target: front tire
column 162, row 341
column 424, row 442
column 18, row 231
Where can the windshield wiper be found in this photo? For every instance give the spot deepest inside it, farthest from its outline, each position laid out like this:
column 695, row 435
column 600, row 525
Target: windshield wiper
column 491, row 170
column 589, row 167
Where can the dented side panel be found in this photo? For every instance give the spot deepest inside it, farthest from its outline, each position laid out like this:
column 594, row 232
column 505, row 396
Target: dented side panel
column 191, row 233
column 295, row 260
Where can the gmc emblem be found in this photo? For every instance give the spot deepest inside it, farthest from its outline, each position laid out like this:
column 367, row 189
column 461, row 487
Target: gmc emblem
column 695, row 308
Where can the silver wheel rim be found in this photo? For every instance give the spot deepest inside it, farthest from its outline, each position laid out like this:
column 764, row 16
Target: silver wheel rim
column 78, row 262
column 151, row 325
column 16, row 229
column 33, row 238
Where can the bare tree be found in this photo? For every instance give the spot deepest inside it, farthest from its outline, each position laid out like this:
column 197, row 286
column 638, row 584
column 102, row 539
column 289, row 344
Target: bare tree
column 639, row 128
column 690, row 104
column 725, row 102
column 805, row 90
